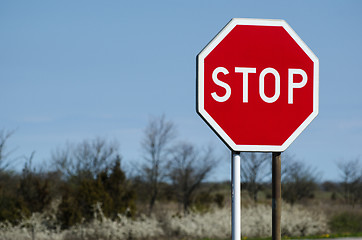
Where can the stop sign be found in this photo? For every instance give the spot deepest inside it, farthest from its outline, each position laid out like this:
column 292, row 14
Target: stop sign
column 257, row 85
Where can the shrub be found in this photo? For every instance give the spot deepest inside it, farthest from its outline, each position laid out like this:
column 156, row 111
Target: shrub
column 22, row 194
column 214, row 224
column 121, row 228
column 40, row 226
column 256, row 221
column 346, row 222
column 298, row 221
column 11, row 209
column 295, row 221
column 109, row 189
column 202, row 201
column 219, row 199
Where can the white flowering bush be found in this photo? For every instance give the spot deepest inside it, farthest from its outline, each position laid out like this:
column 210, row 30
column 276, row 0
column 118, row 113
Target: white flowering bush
column 255, row 220
column 213, row 224
column 38, row 226
column 297, row 221
column 123, row 228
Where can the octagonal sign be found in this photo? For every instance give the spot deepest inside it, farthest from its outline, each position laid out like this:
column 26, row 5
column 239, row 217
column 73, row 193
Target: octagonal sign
column 257, row 85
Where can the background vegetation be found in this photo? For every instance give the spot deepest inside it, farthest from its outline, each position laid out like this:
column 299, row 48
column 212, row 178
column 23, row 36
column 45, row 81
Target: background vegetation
column 88, row 194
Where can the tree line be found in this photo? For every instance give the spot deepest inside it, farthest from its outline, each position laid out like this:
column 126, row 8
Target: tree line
column 300, row 181
column 91, row 172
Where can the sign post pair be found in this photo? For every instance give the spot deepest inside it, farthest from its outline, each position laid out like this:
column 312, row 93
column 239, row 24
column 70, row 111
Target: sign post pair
column 257, row 88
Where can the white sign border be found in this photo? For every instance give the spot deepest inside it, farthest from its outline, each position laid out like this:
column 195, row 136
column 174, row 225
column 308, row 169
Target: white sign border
column 200, row 85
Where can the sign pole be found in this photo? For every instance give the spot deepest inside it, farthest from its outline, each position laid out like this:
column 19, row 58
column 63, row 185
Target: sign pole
column 276, row 195
column 235, row 196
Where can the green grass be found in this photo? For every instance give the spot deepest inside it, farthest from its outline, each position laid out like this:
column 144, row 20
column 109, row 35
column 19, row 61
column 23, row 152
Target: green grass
column 325, row 236
column 333, row 235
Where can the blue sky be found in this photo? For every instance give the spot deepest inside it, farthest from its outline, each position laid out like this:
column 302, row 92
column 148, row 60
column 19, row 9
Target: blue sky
column 74, row 70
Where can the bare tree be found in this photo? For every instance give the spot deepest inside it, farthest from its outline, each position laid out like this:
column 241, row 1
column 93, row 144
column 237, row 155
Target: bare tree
column 351, row 173
column 158, row 137
column 86, row 159
column 187, row 169
column 299, row 181
column 4, row 153
column 254, row 170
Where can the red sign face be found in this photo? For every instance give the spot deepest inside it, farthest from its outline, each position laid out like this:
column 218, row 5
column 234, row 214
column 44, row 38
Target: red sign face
column 257, row 85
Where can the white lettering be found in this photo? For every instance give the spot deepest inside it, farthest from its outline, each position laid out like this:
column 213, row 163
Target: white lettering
column 245, row 72
column 292, row 84
column 277, row 85
column 221, row 84
column 245, row 78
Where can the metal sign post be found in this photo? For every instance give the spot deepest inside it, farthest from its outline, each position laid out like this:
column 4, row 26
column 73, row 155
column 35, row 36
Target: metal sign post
column 235, row 196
